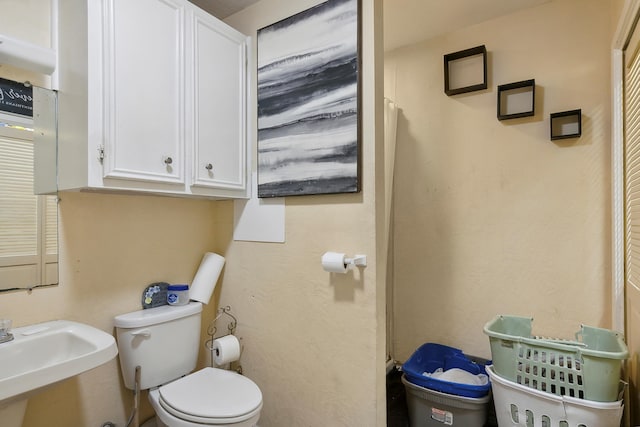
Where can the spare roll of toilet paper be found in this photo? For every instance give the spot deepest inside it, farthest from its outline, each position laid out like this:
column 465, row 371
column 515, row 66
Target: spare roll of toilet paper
column 333, row 262
column 226, row 349
column 206, row 277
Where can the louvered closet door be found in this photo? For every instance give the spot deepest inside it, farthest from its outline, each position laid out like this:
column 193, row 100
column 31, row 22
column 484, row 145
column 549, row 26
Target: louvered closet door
column 632, row 220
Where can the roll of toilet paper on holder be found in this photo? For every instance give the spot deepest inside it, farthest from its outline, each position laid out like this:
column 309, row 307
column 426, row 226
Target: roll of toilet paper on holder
column 206, row 278
column 334, row 262
column 226, row 349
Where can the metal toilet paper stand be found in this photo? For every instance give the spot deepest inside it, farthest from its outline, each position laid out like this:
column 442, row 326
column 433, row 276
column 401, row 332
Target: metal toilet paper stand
column 231, row 328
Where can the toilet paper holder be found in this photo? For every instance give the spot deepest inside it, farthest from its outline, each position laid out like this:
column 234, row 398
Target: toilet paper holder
column 356, row 261
column 337, row 262
column 231, row 326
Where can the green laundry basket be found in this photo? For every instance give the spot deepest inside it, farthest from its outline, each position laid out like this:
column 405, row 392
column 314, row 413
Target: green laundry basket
column 588, row 368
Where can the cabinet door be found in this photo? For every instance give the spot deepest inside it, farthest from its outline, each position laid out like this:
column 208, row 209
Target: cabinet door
column 219, row 104
column 144, row 91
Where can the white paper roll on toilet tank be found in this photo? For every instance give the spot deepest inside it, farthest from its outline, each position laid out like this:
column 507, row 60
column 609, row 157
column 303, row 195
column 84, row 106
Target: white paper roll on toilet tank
column 226, row 349
column 206, row 277
column 333, row 262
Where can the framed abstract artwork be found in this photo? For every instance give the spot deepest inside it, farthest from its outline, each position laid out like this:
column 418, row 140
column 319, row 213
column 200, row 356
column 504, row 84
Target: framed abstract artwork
column 309, row 102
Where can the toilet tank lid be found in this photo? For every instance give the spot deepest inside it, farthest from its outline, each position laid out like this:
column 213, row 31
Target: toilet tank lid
column 156, row 315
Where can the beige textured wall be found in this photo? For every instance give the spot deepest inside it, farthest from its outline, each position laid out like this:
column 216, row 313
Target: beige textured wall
column 30, row 21
column 312, row 341
column 616, row 10
column 492, row 217
column 111, row 248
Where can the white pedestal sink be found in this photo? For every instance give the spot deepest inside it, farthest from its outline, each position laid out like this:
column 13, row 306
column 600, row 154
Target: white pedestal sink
column 43, row 354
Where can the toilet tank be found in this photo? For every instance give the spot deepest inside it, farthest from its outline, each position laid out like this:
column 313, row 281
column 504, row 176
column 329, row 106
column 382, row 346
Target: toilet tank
column 163, row 341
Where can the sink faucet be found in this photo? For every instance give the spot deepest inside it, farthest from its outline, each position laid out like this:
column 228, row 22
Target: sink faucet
column 5, row 327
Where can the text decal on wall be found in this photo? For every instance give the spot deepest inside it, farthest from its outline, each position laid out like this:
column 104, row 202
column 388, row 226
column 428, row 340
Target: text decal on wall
column 16, row 98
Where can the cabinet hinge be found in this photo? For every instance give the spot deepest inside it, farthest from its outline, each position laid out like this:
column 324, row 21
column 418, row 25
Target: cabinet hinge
column 101, row 152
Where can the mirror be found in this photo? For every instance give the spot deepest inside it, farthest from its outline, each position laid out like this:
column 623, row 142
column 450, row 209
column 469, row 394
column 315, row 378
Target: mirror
column 28, row 200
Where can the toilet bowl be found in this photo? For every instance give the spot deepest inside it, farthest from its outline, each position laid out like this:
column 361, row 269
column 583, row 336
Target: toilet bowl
column 208, row 397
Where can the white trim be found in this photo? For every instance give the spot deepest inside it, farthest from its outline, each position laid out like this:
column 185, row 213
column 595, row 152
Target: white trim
column 26, row 55
column 617, row 196
column 626, row 25
column 55, row 82
column 623, row 32
column 390, row 365
column 627, row 21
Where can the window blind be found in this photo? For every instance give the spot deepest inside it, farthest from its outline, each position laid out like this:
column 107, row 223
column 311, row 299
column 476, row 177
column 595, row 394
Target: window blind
column 28, row 223
column 18, row 204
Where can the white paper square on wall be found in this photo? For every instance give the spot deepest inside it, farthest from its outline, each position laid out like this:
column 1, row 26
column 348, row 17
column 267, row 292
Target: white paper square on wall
column 258, row 220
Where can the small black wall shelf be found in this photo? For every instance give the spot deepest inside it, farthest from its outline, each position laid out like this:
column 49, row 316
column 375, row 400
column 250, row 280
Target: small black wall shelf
column 566, row 124
column 465, row 70
column 516, row 100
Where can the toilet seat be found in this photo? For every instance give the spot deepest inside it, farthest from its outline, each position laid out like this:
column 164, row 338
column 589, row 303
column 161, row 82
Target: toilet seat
column 211, row 396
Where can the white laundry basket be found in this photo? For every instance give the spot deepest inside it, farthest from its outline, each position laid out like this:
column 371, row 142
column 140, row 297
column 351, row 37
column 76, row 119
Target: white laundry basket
column 518, row 405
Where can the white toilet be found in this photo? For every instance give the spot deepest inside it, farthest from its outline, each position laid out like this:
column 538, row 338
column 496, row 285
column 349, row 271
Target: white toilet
column 164, row 342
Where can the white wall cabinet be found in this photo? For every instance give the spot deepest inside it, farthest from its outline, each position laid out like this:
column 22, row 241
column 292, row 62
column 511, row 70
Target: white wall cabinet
column 153, row 98
column 219, row 103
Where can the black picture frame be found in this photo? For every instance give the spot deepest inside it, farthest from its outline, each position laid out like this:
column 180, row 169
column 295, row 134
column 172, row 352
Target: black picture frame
column 465, row 62
column 309, row 102
column 565, row 124
column 522, row 97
